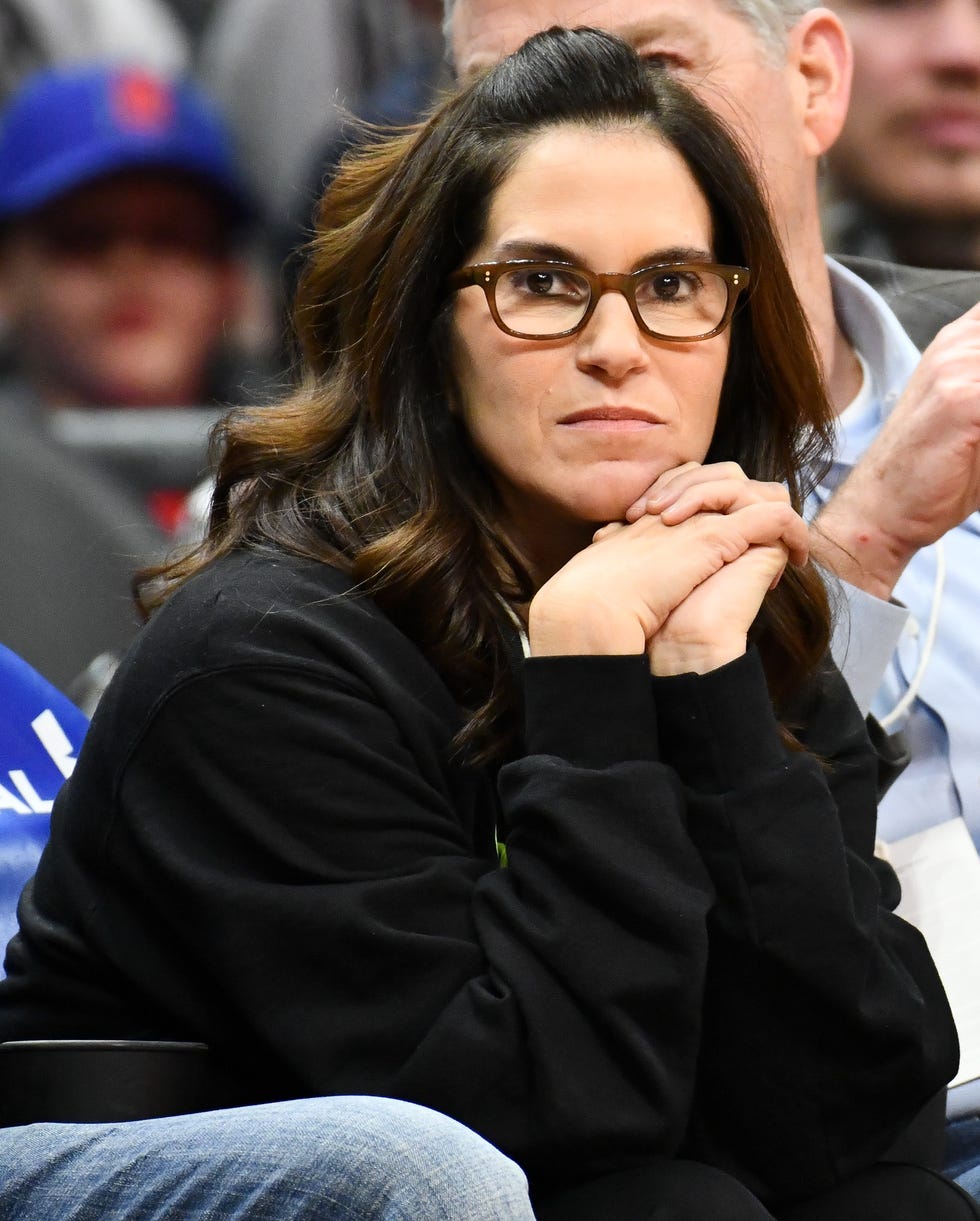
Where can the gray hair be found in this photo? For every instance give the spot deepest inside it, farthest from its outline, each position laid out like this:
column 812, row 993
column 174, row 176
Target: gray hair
column 771, row 19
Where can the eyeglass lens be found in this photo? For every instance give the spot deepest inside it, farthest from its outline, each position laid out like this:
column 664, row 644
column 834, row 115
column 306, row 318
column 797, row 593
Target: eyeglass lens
column 548, row 300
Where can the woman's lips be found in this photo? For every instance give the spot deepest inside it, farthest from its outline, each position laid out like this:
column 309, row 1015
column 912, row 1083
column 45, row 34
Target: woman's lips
column 610, row 419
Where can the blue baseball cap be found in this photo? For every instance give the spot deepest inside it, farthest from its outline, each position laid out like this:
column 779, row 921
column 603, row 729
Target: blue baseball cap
column 66, row 127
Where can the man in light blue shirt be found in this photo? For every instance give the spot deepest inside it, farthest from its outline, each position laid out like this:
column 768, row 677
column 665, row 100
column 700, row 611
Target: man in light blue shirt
column 936, row 640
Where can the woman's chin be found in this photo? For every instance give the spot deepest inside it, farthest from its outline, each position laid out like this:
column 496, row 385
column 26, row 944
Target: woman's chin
column 612, row 504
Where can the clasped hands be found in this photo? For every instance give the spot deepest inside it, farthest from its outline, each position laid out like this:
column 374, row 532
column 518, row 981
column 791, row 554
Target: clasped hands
column 680, row 579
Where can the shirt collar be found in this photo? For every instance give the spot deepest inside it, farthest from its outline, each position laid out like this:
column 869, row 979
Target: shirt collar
column 888, row 359
column 871, row 326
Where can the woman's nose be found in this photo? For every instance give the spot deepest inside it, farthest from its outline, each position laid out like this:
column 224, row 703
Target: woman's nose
column 611, row 341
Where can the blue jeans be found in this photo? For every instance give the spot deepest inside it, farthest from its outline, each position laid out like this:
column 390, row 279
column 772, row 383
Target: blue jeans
column 333, row 1159
column 963, row 1153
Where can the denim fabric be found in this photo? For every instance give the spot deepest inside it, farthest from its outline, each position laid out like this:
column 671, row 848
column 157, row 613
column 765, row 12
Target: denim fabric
column 963, row 1149
column 963, row 1153
column 333, row 1159
column 969, row 1180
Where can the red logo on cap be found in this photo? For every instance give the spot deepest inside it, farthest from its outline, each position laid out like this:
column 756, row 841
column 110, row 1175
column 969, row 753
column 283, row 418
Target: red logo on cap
column 142, row 103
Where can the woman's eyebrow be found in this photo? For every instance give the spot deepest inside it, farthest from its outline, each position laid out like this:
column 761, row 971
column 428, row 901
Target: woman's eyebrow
column 530, row 248
column 675, row 254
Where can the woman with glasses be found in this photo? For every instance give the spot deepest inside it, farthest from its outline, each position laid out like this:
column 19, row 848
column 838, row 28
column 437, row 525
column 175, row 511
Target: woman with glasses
column 486, row 755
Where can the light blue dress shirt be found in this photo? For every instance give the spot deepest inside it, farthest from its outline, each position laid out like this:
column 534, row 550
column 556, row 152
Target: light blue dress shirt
column 943, row 725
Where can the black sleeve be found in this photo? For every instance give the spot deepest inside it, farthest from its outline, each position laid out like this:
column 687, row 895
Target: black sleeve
column 316, row 886
column 826, row 1026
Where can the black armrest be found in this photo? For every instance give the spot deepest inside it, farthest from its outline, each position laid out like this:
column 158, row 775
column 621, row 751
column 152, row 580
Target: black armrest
column 96, row 1080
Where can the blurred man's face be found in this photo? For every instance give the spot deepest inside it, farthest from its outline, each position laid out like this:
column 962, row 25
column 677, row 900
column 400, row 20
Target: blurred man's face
column 118, row 292
column 912, row 137
column 709, row 48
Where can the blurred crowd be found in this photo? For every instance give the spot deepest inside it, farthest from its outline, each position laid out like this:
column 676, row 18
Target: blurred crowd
column 903, row 180
column 159, row 165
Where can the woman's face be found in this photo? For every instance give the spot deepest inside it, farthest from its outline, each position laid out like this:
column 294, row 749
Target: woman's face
column 573, row 430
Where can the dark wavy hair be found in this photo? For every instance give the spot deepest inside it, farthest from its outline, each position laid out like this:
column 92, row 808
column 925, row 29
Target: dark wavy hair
column 366, row 467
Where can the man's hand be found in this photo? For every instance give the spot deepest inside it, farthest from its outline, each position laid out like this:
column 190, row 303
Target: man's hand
column 919, row 477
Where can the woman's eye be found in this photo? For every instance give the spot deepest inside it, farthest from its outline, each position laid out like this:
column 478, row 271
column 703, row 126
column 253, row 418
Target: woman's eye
column 540, row 282
column 672, row 286
column 548, row 282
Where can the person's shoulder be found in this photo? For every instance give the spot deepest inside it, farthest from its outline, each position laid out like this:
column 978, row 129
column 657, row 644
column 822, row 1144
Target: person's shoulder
column 900, row 279
column 249, row 576
column 249, row 611
column 924, row 299
column 265, row 608
column 251, row 605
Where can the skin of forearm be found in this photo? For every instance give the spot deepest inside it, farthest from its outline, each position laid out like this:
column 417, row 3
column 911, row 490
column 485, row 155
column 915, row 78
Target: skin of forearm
column 847, row 541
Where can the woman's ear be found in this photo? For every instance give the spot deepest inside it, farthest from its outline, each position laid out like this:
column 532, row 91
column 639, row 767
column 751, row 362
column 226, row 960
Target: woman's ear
column 820, row 51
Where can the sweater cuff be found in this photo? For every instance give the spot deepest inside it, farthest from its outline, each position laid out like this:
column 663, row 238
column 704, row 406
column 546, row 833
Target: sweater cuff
column 592, row 711
column 718, row 730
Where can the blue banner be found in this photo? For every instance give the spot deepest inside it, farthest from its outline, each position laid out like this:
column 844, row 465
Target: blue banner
column 40, row 734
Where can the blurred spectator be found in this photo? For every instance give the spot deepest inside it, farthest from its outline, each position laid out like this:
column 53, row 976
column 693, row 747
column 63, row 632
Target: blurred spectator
column 401, row 96
column 194, row 15
column 120, row 210
column 36, row 33
column 398, row 99
column 905, row 173
column 284, row 71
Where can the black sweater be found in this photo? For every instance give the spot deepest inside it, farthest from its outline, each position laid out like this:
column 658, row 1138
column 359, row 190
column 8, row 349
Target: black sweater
column 269, row 845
